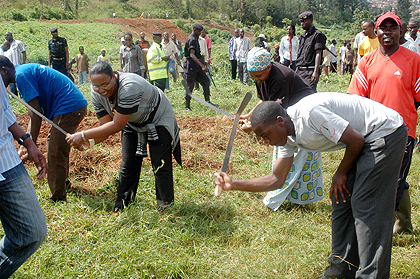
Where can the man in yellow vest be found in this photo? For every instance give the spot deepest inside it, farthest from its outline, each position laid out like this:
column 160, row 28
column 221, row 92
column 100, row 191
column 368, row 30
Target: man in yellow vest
column 156, row 61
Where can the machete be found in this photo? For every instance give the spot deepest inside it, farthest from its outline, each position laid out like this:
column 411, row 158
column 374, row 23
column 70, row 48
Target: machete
column 184, row 83
column 29, row 107
column 245, row 101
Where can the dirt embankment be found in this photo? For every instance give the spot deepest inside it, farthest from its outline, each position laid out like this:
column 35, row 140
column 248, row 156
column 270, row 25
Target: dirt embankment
column 148, row 26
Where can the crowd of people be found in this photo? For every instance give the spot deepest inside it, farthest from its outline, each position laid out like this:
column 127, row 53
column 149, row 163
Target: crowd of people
column 376, row 127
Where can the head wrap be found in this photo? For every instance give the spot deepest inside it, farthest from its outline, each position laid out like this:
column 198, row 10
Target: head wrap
column 258, row 59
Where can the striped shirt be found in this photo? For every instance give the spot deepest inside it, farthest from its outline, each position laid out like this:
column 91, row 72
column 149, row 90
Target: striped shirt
column 9, row 158
column 15, row 52
column 392, row 81
column 147, row 105
column 132, row 59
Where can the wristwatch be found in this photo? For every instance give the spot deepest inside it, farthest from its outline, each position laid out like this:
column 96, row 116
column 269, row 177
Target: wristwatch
column 23, row 138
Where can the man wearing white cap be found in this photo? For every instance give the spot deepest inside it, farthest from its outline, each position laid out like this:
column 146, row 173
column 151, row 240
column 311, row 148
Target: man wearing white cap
column 391, row 75
column 261, row 41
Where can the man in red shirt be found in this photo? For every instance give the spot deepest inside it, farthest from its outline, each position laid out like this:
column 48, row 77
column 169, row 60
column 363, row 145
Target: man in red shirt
column 391, row 75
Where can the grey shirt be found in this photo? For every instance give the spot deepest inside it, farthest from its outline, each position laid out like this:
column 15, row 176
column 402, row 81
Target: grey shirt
column 320, row 120
column 147, row 105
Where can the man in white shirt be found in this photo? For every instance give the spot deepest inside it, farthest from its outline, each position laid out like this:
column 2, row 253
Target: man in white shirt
column 16, row 54
column 363, row 187
column 342, row 53
column 242, row 46
column 412, row 36
column 357, row 40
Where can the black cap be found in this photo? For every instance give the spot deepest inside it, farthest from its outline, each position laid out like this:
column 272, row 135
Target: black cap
column 306, row 15
column 54, row 29
column 198, row 26
column 157, row 34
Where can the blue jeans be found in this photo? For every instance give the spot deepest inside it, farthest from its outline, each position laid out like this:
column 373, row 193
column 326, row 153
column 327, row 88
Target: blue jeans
column 22, row 218
column 171, row 69
column 287, row 64
column 83, row 77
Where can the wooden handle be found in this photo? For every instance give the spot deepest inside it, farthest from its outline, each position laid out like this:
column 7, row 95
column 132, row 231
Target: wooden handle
column 218, row 191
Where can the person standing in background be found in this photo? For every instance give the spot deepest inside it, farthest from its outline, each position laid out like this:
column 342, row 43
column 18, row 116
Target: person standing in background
column 242, row 46
column 232, row 54
column 289, row 46
column 82, row 62
column 16, row 53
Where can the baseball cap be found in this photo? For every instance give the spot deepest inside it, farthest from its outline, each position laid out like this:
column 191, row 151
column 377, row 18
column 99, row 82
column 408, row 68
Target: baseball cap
column 386, row 16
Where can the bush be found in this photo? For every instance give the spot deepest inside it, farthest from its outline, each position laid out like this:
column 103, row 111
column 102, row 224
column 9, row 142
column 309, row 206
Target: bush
column 224, row 34
column 179, row 23
column 18, row 16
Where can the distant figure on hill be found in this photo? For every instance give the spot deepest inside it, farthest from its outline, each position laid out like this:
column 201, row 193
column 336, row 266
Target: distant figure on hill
column 232, row 54
column 149, row 16
column 114, row 14
column 289, row 46
column 58, row 52
column 82, row 61
column 194, row 69
column 349, row 60
column 131, row 57
column 156, row 61
column 242, row 46
column 342, row 53
column 104, row 57
column 309, row 56
column 170, row 50
column 16, row 53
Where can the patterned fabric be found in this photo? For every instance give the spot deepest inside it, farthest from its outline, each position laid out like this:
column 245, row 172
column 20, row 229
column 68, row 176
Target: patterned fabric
column 304, row 181
column 258, row 59
column 231, row 48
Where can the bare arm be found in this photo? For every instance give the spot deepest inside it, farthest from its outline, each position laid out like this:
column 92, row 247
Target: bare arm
column 315, row 75
column 195, row 59
column 270, row 182
column 24, row 57
column 32, row 150
column 354, row 143
column 67, row 57
column 108, row 127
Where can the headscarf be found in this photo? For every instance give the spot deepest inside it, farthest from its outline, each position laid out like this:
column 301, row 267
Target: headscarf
column 258, row 59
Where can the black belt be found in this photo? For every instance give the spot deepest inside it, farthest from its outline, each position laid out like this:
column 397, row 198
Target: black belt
column 306, row 67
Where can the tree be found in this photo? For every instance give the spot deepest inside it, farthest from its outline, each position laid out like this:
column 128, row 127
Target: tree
column 42, row 9
column 403, row 9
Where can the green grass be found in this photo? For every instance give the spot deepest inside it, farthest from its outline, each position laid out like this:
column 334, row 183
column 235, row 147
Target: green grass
column 234, row 236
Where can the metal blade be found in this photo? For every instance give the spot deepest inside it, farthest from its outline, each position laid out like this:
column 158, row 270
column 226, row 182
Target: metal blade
column 184, row 83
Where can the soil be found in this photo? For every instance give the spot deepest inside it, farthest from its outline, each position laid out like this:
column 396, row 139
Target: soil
column 203, row 143
column 148, row 26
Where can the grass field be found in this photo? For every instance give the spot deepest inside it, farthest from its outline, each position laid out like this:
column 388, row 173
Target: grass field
column 234, row 236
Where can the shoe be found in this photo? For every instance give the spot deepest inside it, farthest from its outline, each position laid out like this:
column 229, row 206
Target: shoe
column 403, row 222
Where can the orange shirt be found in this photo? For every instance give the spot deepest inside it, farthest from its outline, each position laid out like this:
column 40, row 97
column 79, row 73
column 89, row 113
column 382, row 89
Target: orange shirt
column 392, row 81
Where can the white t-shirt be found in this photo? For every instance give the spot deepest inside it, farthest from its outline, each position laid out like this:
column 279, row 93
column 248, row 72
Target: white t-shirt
column 343, row 53
column 416, row 42
column 410, row 46
column 333, row 50
column 320, row 120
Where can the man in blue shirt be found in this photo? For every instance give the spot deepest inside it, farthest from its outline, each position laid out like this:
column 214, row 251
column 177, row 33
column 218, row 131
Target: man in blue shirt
column 55, row 96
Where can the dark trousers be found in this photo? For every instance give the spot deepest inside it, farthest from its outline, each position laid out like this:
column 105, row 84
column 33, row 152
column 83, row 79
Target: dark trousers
column 59, row 150
column 405, row 168
column 60, row 65
column 160, row 83
column 234, row 68
column 161, row 158
column 193, row 73
column 306, row 75
column 362, row 227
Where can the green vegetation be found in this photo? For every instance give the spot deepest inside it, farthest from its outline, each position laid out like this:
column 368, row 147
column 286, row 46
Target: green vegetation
column 234, row 236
